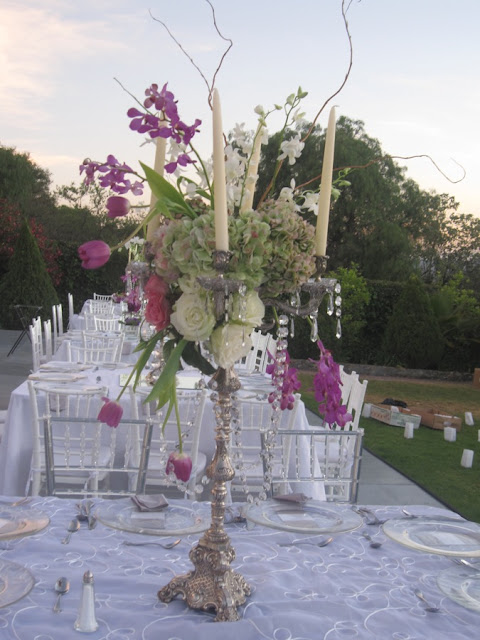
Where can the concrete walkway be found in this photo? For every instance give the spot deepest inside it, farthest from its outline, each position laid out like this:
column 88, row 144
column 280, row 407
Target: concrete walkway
column 379, row 483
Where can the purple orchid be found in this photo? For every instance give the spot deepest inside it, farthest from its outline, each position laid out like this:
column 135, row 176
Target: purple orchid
column 327, row 387
column 285, row 378
column 111, row 174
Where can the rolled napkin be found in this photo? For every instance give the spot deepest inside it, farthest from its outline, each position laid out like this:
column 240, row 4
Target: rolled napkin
column 292, row 497
column 153, row 502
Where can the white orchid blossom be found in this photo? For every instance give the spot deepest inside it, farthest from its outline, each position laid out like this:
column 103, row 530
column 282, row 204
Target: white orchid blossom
column 291, row 149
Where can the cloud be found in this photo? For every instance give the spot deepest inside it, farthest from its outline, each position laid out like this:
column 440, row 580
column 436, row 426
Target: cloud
column 34, row 45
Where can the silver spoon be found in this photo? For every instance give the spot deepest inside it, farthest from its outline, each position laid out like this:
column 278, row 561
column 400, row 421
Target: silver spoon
column 322, row 543
column 167, row 545
column 62, row 585
column 429, row 607
column 72, row 527
column 373, row 544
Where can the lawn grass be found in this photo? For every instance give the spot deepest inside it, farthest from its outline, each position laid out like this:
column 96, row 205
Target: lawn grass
column 427, row 459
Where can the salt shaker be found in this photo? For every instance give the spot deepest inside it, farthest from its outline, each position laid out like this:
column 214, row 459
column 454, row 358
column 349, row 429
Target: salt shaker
column 86, row 620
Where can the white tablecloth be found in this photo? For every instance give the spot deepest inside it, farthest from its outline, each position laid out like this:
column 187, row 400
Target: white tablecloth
column 344, row 590
column 16, row 444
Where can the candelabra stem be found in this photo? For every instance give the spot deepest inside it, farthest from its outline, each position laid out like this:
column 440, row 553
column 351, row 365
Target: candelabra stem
column 213, row 584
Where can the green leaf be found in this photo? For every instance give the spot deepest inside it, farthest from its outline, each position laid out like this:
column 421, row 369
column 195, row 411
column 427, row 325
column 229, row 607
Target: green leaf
column 194, row 358
column 163, row 390
column 166, row 193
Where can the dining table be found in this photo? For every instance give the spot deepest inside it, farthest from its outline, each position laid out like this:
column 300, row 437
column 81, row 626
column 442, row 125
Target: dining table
column 299, row 590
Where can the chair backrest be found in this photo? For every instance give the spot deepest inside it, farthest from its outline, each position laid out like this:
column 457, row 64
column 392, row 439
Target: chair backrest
column 60, row 401
column 47, row 333
column 97, row 348
column 253, row 420
column 107, row 323
column 355, row 404
column 191, row 406
column 100, row 307
column 60, row 319
column 102, row 297
column 347, row 380
column 55, row 328
column 257, row 358
column 333, row 459
column 35, row 332
column 71, row 311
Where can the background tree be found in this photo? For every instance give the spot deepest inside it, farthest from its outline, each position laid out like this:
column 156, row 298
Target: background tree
column 412, row 337
column 27, row 281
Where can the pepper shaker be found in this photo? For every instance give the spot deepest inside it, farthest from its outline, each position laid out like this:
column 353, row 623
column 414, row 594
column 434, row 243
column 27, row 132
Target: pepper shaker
column 86, row 620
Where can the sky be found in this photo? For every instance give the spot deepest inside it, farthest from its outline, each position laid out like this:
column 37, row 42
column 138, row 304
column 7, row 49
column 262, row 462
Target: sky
column 414, row 80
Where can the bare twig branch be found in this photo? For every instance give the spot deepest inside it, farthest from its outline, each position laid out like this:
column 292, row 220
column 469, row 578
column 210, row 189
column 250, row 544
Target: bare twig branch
column 210, row 85
column 347, row 74
column 379, row 159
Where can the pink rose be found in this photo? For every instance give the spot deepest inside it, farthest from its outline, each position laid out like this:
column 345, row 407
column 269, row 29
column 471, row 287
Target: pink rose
column 155, row 286
column 157, row 312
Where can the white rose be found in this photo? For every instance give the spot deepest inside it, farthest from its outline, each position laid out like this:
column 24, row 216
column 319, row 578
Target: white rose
column 193, row 317
column 230, row 343
column 248, row 309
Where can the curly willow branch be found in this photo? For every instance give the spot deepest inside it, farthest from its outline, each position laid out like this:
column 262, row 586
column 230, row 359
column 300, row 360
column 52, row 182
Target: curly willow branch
column 211, row 85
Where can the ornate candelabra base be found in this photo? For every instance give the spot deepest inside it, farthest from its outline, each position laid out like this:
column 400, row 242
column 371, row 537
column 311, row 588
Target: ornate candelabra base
column 213, row 584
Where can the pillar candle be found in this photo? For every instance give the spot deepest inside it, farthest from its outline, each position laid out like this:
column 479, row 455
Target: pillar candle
column 219, row 184
column 159, row 165
column 450, row 434
column 467, row 458
column 469, row 418
column 247, row 200
column 325, row 188
column 408, row 431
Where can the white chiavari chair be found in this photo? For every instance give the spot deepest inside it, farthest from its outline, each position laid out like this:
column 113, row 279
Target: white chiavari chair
column 191, row 406
column 251, row 420
column 107, row 323
column 333, row 460
column 96, row 348
column 71, row 311
column 102, row 297
column 47, row 334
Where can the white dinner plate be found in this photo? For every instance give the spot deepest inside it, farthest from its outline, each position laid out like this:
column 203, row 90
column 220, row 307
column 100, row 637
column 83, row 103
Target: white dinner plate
column 171, row 521
column 445, row 536
column 462, row 585
column 15, row 582
column 313, row 517
column 16, row 523
column 43, row 376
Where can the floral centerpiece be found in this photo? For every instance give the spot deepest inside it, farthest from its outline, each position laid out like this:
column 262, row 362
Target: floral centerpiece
column 271, row 249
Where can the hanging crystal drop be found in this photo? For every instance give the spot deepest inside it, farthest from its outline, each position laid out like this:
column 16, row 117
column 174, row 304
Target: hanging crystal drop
column 338, row 334
column 292, row 327
column 330, row 303
column 314, row 329
column 338, row 287
column 338, row 301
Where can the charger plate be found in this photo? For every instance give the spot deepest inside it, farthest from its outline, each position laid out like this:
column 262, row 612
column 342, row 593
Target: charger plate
column 15, row 582
column 462, row 585
column 445, row 536
column 172, row 521
column 313, row 517
column 19, row 523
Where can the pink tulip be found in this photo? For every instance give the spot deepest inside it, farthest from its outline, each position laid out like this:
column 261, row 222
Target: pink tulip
column 111, row 413
column 94, row 254
column 180, row 464
column 117, row 206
